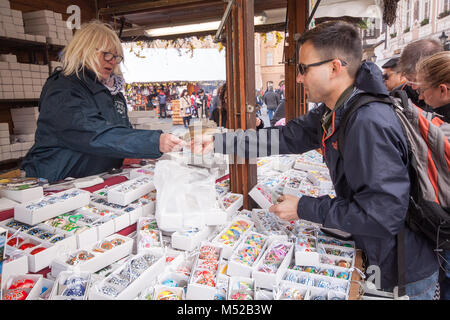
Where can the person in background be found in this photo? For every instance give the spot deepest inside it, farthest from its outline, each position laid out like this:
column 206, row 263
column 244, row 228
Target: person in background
column 393, row 77
column 162, row 104
column 219, row 114
column 279, row 113
column 185, row 108
column 83, row 127
column 409, row 58
column 202, row 104
column 433, row 82
column 271, row 100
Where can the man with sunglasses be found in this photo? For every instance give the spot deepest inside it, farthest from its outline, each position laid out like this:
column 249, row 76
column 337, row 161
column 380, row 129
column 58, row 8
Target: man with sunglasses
column 392, row 76
column 370, row 176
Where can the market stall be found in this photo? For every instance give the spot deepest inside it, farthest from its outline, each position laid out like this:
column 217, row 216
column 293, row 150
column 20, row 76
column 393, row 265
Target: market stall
column 98, row 238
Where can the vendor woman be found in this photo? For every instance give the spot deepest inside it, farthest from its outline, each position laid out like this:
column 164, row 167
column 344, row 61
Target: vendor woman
column 83, row 127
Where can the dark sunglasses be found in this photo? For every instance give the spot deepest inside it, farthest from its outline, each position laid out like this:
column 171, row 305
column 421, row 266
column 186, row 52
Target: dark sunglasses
column 303, row 68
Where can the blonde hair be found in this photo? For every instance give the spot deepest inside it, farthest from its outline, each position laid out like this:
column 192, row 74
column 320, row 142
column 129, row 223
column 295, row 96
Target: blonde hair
column 81, row 52
column 435, row 70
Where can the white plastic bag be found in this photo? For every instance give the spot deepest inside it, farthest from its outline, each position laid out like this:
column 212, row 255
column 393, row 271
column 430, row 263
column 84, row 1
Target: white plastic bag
column 185, row 196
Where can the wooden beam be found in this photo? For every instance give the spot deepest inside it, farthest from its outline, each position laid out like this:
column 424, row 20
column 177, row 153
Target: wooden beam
column 151, row 5
column 241, row 88
column 295, row 104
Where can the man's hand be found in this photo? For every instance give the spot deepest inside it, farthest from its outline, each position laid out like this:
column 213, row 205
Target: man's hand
column 169, row 143
column 286, row 209
column 202, row 144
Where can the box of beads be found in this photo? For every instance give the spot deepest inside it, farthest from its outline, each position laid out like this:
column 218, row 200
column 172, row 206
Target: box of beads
column 64, row 240
column 328, row 278
column 306, row 251
column 131, row 190
column 320, row 179
column 148, row 234
column 271, row 266
column 230, row 237
column 266, row 223
column 283, row 163
column 291, row 291
column 232, row 202
column 203, row 279
column 241, row 288
column 308, row 189
column 263, row 196
column 173, row 279
column 221, row 288
column 246, row 254
column 95, row 257
column 133, row 276
column 79, row 225
column 24, row 195
column 292, row 186
column 162, row 292
column 22, row 287
column 15, row 262
column 148, row 170
column 190, row 239
column 222, row 188
column 38, row 245
column 51, row 206
column 123, row 215
column 71, row 285
column 146, row 203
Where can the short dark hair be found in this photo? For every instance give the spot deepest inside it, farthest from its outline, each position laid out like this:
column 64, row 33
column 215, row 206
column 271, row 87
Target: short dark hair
column 415, row 51
column 337, row 39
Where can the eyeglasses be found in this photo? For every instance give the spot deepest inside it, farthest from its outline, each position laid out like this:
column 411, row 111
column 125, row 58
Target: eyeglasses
column 108, row 56
column 303, row 68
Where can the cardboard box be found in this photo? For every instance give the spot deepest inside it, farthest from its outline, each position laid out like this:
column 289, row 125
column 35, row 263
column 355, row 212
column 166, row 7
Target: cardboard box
column 15, row 263
column 131, row 190
column 232, row 202
column 58, row 291
column 37, row 211
column 262, row 196
column 230, row 238
column 38, row 14
column 148, row 170
column 25, row 195
column 144, row 280
column 241, row 285
column 269, row 280
column 197, row 291
column 34, row 292
column 236, row 266
column 100, row 259
column 190, row 239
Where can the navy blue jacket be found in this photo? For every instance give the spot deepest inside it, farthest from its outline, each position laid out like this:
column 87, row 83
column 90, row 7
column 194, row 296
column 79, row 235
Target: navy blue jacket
column 83, row 130
column 371, row 182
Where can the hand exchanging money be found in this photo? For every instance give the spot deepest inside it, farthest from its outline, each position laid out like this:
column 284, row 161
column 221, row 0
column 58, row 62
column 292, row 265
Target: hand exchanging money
column 169, row 143
column 202, row 144
column 286, row 209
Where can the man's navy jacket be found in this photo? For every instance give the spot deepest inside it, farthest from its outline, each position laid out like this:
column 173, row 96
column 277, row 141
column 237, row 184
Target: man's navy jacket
column 83, row 130
column 371, row 182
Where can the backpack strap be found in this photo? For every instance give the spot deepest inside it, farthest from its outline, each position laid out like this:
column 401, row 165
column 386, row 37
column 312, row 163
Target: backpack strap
column 355, row 103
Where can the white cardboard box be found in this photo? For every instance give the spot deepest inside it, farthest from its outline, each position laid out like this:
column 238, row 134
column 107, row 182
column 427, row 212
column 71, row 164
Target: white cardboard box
column 23, row 195
column 33, row 294
column 235, row 267
column 190, row 239
column 58, row 287
column 131, row 190
column 43, row 209
column 15, row 267
column 148, row 170
column 227, row 249
column 197, row 291
column 134, row 288
column 269, row 280
column 100, row 260
column 262, row 196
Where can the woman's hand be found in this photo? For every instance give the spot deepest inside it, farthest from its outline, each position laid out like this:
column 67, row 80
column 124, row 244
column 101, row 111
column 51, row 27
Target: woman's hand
column 169, row 143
